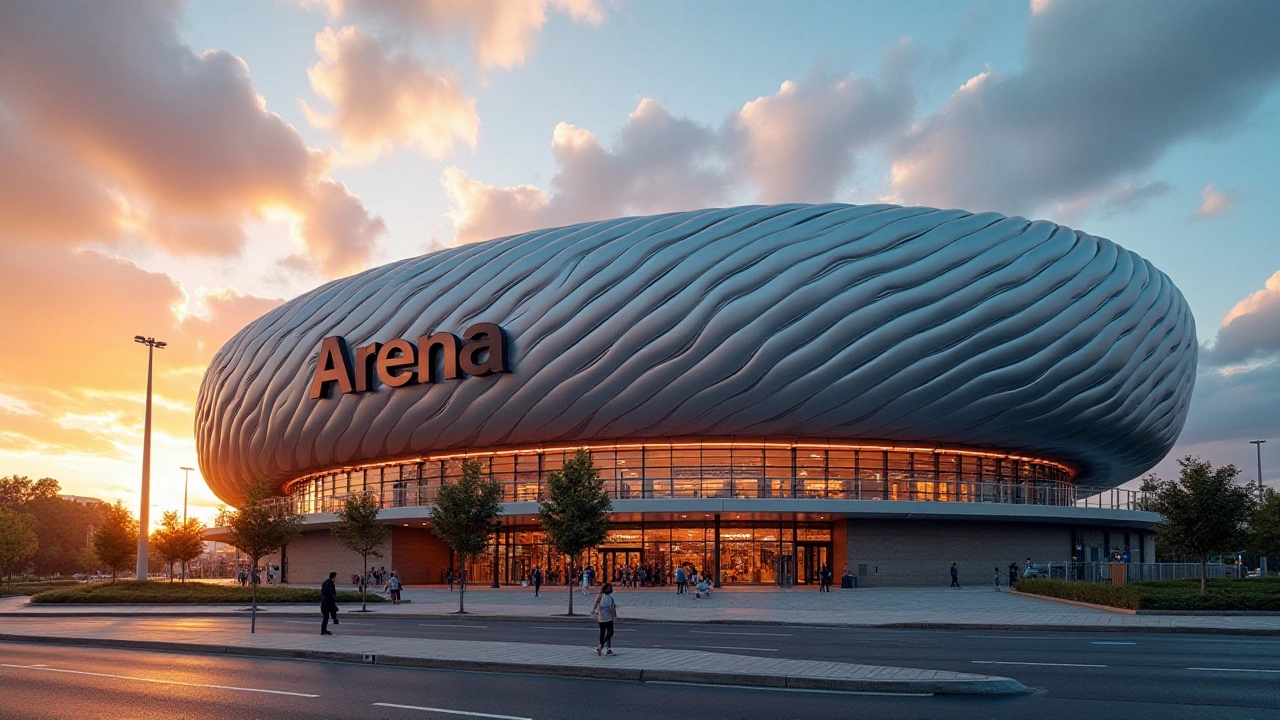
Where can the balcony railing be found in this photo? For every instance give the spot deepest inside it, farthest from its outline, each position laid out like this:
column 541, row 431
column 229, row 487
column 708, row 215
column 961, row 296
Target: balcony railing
column 1040, row 493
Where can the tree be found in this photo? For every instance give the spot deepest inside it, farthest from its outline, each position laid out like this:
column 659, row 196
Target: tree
column 359, row 531
column 115, row 542
column 575, row 512
column 17, row 538
column 18, row 490
column 465, row 515
column 257, row 530
column 176, row 541
column 1204, row 511
column 1264, row 526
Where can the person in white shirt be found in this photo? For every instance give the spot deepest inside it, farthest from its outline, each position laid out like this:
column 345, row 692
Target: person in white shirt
column 605, row 610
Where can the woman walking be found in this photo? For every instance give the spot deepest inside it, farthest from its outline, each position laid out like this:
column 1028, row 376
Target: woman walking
column 605, row 610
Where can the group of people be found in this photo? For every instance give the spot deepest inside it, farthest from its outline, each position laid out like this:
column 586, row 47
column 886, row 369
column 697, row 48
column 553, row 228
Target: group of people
column 995, row 580
column 638, row 575
column 244, row 577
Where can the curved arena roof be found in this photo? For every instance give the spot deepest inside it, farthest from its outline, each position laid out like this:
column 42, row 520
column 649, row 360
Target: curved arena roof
column 872, row 322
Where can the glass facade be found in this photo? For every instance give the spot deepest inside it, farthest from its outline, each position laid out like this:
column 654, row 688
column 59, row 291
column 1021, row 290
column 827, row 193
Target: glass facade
column 750, row 553
column 759, row 469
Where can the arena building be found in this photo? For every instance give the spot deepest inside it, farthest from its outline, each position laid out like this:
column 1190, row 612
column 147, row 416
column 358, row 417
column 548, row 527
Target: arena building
column 764, row 390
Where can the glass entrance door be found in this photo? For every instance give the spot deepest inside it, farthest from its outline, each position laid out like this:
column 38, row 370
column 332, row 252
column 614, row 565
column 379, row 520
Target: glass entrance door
column 811, row 557
column 617, row 558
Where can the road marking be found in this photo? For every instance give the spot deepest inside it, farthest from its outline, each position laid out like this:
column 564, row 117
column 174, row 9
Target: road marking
column 1112, row 642
column 313, row 622
column 732, row 647
column 718, row 632
column 1020, row 637
column 1011, row 662
column 1235, row 670
column 158, row 682
column 451, row 712
column 448, row 625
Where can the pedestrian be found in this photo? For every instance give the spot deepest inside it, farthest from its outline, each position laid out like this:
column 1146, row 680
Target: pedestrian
column 583, row 581
column 955, row 575
column 328, row 604
column 996, row 581
column 680, row 580
column 449, row 577
column 605, row 610
column 393, row 587
column 537, row 581
column 1013, row 574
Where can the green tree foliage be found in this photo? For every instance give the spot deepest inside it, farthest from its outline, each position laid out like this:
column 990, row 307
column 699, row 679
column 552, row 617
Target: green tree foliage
column 575, row 512
column 64, row 528
column 1204, row 511
column 176, row 541
column 115, row 542
column 1264, row 526
column 258, row 529
column 359, row 531
column 465, row 515
column 18, row 540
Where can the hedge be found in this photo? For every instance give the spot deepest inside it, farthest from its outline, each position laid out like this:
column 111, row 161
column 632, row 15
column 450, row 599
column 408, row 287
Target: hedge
column 196, row 593
column 1119, row 596
column 1244, row 594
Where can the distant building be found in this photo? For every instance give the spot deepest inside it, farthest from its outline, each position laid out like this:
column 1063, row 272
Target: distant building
column 764, row 390
column 81, row 499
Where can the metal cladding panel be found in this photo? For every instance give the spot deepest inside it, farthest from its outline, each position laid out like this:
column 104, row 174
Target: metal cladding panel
column 879, row 322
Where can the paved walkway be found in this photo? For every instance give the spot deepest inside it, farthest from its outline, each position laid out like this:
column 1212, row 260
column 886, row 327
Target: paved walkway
column 637, row 664
column 866, row 607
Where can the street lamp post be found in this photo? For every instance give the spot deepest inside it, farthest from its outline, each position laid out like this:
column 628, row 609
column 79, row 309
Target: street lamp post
column 186, row 480
column 1258, row 444
column 144, row 513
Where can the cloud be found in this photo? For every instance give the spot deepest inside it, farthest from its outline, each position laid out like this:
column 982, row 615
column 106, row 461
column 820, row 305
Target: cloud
column 1250, row 331
column 503, row 30
column 801, row 143
column 1128, row 197
column 658, row 163
column 136, row 135
column 383, row 99
column 1213, row 202
column 1105, row 89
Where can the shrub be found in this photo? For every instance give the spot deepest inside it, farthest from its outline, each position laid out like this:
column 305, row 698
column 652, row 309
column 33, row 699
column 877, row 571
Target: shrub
column 189, row 593
column 1119, row 596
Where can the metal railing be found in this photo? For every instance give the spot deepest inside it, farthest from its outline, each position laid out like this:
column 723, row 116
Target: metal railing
column 1040, row 493
column 1132, row 572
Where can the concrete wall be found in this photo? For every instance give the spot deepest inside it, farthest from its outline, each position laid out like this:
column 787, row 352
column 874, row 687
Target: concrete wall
column 419, row 555
column 316, row 553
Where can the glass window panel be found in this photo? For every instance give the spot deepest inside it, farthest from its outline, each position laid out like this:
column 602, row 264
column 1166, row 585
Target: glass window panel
column 748, row 461
column 813, row 533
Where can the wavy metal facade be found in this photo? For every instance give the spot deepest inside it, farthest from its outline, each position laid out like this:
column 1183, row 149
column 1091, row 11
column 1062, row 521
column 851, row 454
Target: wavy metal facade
column 871, row 322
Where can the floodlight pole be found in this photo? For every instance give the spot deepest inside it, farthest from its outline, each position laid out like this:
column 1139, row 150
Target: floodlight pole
column 186, row 479
column 144, row 512
column 1258, row 444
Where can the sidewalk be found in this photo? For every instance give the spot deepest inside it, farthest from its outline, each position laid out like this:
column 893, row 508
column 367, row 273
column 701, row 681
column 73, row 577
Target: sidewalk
column 637, row 664
column 943, row 608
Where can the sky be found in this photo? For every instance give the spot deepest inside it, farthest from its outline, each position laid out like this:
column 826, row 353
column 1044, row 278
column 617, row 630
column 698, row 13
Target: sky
column 176, row 169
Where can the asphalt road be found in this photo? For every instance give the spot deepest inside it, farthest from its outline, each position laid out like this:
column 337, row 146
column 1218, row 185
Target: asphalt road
column 1110, row 674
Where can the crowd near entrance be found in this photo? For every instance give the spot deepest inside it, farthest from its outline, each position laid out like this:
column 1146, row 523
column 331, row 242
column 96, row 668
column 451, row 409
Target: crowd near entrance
column 647, row 554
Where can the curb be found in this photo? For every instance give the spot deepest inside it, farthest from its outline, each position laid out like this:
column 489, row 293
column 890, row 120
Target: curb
column 989, row 686
column 1078, row 603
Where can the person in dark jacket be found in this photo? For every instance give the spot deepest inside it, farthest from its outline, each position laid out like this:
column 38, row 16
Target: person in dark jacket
column 537, row 581
column 328, row 604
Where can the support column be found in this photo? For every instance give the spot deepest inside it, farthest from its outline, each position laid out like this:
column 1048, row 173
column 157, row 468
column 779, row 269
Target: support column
column 716, row 577
column 497, row 536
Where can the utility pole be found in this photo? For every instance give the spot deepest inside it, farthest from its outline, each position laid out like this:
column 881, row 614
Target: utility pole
column 186, row 479
column 144, row 512
column 1258, row 444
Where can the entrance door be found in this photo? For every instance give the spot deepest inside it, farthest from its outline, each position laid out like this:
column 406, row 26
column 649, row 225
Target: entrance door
column 616, row 557
column 811, row 558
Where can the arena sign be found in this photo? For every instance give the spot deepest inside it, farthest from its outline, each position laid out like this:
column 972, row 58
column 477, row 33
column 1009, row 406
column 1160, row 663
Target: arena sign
column 482, row 350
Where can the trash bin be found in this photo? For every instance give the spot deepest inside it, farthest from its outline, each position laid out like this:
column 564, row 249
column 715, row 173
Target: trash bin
column 848, row 582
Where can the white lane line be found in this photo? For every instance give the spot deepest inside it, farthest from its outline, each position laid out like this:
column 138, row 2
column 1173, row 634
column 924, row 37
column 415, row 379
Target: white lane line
column 1235, row 670
column 1020, row 637
column 1011, row 662
column 717, row 632
column 1112, row 642
column 451, row 712
column 314, row 622
column 732, row 647
column 158, row 682
column 455, row 625
column 583, row 626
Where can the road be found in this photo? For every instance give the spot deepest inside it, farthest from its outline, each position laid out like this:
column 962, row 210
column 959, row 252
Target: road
column 1131, row 675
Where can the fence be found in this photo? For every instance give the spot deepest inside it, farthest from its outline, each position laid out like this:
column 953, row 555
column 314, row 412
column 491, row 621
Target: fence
column 1131, row 572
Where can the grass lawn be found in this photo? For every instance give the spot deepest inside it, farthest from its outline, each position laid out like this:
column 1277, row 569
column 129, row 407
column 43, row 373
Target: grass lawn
column 1242, row 594
column 35, row 587
column 190, row 593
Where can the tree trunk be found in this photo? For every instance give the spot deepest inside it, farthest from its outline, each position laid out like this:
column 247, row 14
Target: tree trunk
column 462, row 587
column 170, row 572
column 573, row 582
column 1204, row 567
column 253, row 609
column 364, row 587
